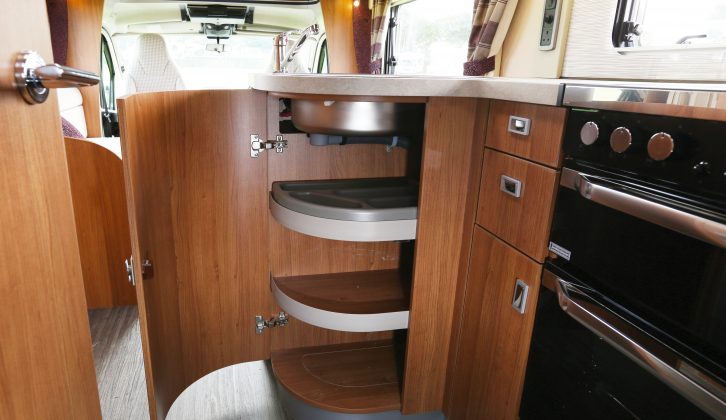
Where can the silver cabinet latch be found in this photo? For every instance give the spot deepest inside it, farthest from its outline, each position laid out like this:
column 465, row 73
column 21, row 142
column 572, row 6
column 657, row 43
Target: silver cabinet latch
column 258, row 145
column 147, row 270
column 276, row 321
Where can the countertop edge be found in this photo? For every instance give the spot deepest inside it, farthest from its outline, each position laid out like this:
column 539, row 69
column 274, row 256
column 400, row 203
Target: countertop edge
column 535, row 91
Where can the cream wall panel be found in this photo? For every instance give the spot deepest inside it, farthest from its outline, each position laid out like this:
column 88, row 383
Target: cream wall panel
column 521, row 56
column 590, row 53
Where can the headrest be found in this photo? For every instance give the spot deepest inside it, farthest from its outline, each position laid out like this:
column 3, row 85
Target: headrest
column 151, row 51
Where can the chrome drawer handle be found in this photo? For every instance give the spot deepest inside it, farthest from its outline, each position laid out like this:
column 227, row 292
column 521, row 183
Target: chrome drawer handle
column 519, row 125
column 519, row 301
column 510, row 186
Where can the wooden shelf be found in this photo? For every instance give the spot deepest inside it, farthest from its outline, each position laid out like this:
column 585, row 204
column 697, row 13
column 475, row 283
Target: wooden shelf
column 361, row 301
column 354, row 378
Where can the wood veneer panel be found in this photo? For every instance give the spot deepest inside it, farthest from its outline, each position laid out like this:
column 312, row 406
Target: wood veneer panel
column 523, row 222
column 544, row 142
column 294, row 254
column 492, row 357
column 84, row 52
column 362, row 292
column 102, row 223
column 477, row 158
column 198, row 211
column 338, row 17
column 352, row 378
column 452, row 147
column 46, row 365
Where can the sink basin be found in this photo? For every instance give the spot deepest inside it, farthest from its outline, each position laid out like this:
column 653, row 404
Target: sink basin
column 346, row 118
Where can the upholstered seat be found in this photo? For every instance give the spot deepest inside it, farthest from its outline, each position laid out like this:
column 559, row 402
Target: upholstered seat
column 152, row 70
column 70, row 103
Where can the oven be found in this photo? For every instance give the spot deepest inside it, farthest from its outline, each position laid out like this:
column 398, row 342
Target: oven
column 631, row 320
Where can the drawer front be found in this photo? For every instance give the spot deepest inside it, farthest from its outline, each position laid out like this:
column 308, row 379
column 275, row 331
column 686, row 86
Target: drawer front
column 516, row 199
column 532, row 132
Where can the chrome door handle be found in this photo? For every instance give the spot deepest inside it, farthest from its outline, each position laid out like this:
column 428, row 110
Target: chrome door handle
column 688, row 224
column 651, row 355
column 33, row 77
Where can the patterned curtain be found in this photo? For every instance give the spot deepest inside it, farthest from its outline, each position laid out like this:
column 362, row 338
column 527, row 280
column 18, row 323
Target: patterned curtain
column 487, row 15
column 379, row 27
column 58, row 20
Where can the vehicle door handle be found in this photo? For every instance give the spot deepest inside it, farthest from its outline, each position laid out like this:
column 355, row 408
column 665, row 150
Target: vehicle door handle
column 34, row 78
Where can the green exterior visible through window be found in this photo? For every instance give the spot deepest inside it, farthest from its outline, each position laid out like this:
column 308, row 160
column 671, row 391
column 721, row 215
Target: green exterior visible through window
column 428, row 37
column 108, row 73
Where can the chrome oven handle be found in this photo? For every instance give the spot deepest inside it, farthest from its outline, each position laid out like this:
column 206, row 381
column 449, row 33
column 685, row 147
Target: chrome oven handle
column 656, row 358
column 688, row 224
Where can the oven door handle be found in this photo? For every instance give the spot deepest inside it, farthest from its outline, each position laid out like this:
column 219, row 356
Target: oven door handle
column 656, row 358
column 688, row 224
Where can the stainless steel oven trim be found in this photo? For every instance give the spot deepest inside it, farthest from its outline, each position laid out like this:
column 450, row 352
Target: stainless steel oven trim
column 646, row 352
column 665, row 99
column 688, row 224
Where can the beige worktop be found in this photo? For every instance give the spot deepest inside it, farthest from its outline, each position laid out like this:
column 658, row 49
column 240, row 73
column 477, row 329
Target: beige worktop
column 536, row 91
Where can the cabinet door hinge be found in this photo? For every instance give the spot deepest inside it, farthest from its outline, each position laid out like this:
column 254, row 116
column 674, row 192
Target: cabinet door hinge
column 276, row 321
column 258, row 145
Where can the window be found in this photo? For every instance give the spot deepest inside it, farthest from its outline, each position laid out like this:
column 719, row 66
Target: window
column 203, row 69
column 429, row 37
column 108, row 97
column 323, row 66
column 664, row 24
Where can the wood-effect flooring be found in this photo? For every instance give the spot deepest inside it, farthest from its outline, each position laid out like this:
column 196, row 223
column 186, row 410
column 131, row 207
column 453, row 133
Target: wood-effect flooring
column 243, row 391
column 119, row 363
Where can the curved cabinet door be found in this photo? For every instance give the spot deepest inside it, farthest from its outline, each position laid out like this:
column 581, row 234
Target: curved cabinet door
column 198, row 212
column 46, row 364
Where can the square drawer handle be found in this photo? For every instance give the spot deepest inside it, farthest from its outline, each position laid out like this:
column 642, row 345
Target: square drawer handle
column 510, row 186
column 519, row 125
column 519, row 300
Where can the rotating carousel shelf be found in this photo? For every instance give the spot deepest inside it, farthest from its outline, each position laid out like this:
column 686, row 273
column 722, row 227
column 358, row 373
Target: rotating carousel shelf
column 364, row 301
column 352, row 378
column 364, row 210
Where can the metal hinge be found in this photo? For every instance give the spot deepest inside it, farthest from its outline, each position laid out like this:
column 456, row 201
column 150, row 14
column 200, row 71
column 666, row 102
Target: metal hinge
column 276, row 321
column 147, row 270
column 258, row 145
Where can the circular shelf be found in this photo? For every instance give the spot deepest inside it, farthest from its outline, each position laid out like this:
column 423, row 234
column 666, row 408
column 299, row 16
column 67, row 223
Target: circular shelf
column 343, row 230
column 365, row 301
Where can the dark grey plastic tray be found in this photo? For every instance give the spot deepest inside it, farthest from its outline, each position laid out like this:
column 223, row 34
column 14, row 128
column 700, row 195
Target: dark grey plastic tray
column 359, row 200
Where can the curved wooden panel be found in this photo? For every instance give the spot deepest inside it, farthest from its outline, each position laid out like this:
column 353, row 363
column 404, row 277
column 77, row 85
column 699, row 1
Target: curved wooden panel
column 84, row 52
column 198, row 211
column 102, row 223
column 46, row 365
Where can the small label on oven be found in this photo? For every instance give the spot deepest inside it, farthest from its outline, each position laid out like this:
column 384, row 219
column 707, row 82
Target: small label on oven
column 562, row 252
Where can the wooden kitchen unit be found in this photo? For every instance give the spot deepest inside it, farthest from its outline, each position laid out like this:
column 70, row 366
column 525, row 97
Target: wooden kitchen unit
column 498, row 298
column 198, row 204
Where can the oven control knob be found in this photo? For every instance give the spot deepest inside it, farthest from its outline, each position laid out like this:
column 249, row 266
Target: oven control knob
column 660, row 146
column 620, row 139
column 589, row 133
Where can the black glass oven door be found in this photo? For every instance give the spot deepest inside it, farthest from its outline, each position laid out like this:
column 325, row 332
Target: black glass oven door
column 573, row 373
column 668, row 283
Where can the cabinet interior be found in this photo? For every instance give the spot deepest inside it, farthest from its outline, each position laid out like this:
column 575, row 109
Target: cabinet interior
column 343, row 278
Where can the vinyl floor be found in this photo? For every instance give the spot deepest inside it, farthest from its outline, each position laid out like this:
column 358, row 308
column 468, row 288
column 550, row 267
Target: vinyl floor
column 243, row 391
column 119, row 363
